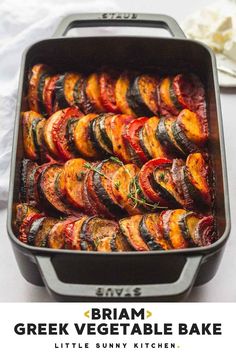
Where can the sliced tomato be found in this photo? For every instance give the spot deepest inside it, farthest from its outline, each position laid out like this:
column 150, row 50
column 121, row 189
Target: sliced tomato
column 59, row 133
column 107, row 81
column 25, row 226
column 131, row 136
column 145, row 181
column 49, row 94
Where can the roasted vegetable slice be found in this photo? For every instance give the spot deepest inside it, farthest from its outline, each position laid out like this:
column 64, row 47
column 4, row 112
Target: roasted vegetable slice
column 38, row 127
column 82, row 138
column 189, row 127
column 89, row 204
column 163, row 182
column 130, row 229
column 49, row 95
column 48, row 133
column 72, row 233
column 166, row 137
column 168, row 96
column 151, row 142
column 35, row 75
column 40, row 233
column 59, row 133
column 27, row 168
column 22, row 211
column 121, row 89
column 118, row 125
column 119, row 243
column 56, row 237
column 196, row 177
column 188, row 223
column 64, row 89
column 145, row 179
column 142, row 95
column 107, row 81
column 152, row 234
column 48, row 193
column 93, row 92
column 205, row 233
column 102, row 180
column 29, row 120
column 94, row 230
column 74, row 174
column 106, row 131
column 132, row 140
column 171, row 228
column 121, row 181
column 99, row 137
column 26, row 224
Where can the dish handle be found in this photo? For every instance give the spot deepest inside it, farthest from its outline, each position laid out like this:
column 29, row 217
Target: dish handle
column 105, row 292
column 119, row 20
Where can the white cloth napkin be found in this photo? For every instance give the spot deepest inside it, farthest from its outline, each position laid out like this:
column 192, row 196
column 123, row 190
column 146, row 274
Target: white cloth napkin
column 23, row 23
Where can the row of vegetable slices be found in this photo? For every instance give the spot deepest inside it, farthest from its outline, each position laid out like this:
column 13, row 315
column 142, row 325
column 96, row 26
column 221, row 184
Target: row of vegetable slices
column 68, row 134
column 172, row 229
column 109, row 90
column 113, row 189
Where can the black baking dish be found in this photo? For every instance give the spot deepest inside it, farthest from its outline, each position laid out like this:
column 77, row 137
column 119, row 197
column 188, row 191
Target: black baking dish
column 130, row 276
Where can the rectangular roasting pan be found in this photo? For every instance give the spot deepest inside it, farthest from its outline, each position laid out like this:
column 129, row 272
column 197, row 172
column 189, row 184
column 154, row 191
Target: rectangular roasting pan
column 130, row 276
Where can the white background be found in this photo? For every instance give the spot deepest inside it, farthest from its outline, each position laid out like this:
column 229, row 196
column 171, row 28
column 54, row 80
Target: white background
column 161, row 313
column 223, row 287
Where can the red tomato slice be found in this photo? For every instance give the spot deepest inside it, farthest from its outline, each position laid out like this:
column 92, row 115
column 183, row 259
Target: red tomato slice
column 49, row 94
column 59, row 133
column 144, row 179
column 107, row 81
column 131, row 136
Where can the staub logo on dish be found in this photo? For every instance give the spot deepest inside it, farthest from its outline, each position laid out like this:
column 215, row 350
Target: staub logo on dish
column 118, row 292
column 119, row 16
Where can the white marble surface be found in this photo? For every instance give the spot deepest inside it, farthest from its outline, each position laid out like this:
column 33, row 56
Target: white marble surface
column 13, row 288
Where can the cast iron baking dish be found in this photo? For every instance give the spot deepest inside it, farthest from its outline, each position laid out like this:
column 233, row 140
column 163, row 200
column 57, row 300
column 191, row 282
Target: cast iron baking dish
column 129, row 276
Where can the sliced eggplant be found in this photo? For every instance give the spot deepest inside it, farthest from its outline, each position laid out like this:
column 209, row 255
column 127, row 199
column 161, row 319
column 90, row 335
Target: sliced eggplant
column 142, row 96
column 30, row 119
column 196, row 177
column 162, row 181
column 95, row 229
column 102, row 180
column 64, row 89
column 70, row 134
column 39, row 234
column 188, row 223
column 27, row 168
column 26, row 224
column 59, row 92
column 88, row 202
column 81, row 97
column 168, row 97
column 82, row 137
column 106, row 131
column 171, row 228
column 166, row 137
column 150, row 139
column 48, row 194
column 34, row 228
column 119, row 243
column 130, row 229
column 97, row 135
column 37, row 72
column 152, row 234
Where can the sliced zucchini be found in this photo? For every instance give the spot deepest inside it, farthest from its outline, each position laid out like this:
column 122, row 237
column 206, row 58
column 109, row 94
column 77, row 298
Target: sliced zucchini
column 152, row 234
column 82, row 138
column 130, row 229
